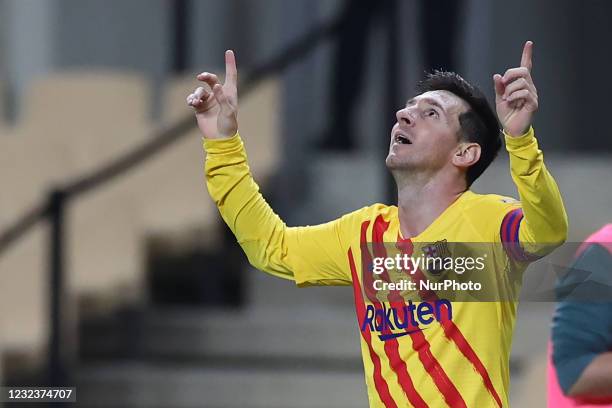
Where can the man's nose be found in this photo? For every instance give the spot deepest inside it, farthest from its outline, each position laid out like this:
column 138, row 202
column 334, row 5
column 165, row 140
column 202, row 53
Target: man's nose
column 405, row 117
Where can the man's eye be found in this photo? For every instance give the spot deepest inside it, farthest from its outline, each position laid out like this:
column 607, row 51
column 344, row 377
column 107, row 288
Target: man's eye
column 431, row 112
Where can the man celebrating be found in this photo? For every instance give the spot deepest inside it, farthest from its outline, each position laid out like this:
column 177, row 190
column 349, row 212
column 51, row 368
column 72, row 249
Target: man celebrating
column 431, row 352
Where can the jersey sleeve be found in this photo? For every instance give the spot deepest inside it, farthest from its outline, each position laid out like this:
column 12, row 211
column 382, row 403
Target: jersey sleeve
column 540, row 223
column 581, row 329
column 311, row 255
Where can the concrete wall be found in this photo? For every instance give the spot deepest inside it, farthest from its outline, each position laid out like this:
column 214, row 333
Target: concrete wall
column 106, row 229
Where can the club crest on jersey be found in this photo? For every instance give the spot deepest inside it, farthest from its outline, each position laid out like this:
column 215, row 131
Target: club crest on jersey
column 438, row 249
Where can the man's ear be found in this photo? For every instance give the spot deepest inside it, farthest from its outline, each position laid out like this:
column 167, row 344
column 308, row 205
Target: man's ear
column 466, row 155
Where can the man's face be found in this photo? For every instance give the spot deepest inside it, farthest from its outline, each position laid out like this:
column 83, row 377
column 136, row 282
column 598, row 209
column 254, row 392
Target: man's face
column 425, row 136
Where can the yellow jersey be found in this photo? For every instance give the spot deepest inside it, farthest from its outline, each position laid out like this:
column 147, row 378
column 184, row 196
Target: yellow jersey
column 421, row 346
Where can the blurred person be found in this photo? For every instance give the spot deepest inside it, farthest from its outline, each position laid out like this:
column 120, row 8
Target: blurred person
column 444, row 138
column 356, row 22
column 438, row 32
column 580, row 361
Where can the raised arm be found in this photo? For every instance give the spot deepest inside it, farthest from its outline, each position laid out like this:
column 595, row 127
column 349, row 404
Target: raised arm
column 541, row 224
column 216, row 106
column 307, row 255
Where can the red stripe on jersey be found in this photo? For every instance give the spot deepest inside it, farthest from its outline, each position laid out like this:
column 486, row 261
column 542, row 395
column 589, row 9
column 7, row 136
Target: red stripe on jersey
column 452, row 332
column 391, row 347
column 378, row 245
column 419, row 342
column 398, row 365
column 366, row 274
column 379, row 382
column 451, row 394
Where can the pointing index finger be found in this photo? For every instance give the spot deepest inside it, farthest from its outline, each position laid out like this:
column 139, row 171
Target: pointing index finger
column 231, row 73
column 527, row 53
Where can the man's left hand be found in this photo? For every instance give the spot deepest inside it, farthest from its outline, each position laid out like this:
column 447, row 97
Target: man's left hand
column 516, row 98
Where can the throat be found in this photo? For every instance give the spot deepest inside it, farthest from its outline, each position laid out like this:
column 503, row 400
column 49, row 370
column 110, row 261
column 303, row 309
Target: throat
column 417, row 212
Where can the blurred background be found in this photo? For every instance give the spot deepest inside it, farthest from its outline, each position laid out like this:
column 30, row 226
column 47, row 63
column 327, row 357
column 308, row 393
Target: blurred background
column 117, row 274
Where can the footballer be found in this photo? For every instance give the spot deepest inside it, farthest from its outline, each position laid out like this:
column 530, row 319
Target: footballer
column 419, row 349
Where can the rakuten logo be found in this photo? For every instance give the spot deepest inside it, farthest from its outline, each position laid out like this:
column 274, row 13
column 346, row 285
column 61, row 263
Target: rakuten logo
column 409, row 318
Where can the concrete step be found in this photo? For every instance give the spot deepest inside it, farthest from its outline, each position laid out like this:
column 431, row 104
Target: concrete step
column 177, row 334
column 134, row 385
column 266, row 292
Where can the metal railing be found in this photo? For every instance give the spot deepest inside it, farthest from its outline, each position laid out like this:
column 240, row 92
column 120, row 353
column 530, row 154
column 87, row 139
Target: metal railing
column 54, row 208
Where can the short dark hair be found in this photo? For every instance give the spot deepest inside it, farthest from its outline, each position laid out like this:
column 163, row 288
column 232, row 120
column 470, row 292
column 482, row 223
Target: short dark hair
column 479, row 124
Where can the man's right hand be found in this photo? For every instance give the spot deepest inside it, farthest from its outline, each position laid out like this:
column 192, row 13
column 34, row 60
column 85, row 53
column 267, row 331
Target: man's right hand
column 216, row 106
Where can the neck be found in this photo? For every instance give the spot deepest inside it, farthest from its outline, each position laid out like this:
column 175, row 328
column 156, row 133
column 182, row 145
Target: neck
column 422, row 199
